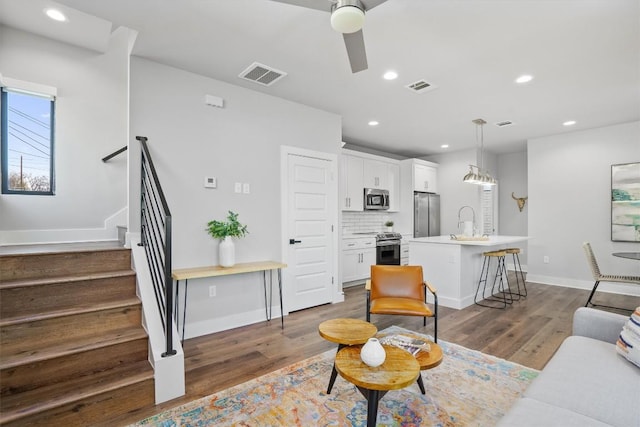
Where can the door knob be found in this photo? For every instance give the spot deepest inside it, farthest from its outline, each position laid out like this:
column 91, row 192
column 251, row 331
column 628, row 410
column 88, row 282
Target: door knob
column 293, row 241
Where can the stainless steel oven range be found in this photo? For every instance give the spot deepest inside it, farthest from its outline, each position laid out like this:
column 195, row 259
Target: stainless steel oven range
column 388, row 248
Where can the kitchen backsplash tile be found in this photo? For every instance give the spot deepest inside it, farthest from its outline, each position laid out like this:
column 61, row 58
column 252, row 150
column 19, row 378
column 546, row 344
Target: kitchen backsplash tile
column 363, row 222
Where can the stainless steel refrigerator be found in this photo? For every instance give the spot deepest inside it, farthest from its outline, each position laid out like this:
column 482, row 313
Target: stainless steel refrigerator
column 426, row 214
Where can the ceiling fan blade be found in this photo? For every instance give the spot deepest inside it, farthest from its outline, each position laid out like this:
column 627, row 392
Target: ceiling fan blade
column 370, row 4
column 356, row 51
column 324, row 5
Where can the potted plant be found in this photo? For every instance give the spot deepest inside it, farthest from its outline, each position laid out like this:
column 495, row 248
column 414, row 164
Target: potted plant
column 224, row 231
column 389, row 225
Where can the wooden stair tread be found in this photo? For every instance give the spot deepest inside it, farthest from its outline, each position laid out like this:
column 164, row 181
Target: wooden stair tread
column 22, row 283
column 72, row 347
column 78, row 309
column 53, row 396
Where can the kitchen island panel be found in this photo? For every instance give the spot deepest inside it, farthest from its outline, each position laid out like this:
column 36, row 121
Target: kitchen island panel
column 453, row 267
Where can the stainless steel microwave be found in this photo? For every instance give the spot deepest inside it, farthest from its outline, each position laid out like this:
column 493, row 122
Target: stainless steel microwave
column 375, row 199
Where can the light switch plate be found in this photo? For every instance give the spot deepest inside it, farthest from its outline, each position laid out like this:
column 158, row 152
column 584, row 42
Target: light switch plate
column 238, row 187
column 246, row 188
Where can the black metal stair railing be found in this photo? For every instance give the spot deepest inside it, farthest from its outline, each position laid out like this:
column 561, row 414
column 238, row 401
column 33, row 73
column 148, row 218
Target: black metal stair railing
column 155, row 231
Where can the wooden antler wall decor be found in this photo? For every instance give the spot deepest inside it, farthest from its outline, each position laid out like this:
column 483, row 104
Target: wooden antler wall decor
column 520, row 200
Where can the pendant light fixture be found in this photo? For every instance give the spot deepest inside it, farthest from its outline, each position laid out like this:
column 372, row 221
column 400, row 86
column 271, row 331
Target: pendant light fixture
column 481, row 177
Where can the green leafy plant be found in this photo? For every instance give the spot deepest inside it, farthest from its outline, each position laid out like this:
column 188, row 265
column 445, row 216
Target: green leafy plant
column 229, row 228
column 389, row 223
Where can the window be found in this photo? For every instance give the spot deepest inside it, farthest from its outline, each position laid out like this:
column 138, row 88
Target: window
column 27, row 143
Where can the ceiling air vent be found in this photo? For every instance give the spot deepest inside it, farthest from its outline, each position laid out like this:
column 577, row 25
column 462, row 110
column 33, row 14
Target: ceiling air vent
column 421, row 86
column 504, row 123
column 262, row 74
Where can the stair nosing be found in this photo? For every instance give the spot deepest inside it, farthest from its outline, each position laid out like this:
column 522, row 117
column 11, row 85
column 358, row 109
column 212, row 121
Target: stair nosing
column 66, row 312
column 65, row 399
column 24, row 283
column 134, row 333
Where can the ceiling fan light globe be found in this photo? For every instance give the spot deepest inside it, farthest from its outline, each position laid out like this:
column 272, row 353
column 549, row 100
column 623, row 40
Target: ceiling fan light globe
column 347, row 19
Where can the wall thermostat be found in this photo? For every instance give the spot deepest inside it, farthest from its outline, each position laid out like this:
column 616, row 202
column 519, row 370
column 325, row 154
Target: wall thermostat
column 210, row 182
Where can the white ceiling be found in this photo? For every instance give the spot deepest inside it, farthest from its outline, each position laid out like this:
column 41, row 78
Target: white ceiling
column 584, row 54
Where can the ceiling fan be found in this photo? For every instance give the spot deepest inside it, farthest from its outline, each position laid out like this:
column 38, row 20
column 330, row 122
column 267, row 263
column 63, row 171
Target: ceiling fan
column 347, row 17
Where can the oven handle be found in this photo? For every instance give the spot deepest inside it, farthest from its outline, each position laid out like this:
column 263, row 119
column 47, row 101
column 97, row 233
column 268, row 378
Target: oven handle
column 389, row 243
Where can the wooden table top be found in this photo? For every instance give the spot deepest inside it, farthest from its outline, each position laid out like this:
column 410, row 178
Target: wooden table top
column 427, row 359
column 347, row 331
column 399, row 370
column 216, row 270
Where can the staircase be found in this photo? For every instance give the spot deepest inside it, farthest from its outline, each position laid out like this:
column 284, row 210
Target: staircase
column 72, row 348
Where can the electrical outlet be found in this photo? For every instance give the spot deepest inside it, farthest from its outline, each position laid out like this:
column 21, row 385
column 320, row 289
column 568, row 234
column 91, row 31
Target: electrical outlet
column 545, row 259
column 212, row 291
column 238, row 187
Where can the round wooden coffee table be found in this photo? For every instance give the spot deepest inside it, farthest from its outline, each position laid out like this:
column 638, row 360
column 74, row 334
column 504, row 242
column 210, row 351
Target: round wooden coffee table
column 345, row 332
column 399, row 370
column 426, row 359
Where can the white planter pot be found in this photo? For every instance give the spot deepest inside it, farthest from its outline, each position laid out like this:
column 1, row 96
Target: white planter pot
column 227, row 252
column 372, row 353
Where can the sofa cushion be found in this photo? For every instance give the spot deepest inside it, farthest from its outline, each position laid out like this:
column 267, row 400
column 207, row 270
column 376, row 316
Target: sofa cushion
column 533, row 413
column 628, row 344
column 587, row 376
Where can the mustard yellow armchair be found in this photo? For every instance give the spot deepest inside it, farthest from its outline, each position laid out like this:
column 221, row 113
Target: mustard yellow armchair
column 400, row 290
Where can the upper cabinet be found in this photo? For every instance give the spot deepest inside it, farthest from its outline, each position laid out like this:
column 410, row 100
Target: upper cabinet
column 425, row 178
column 423, row 175
column 351, row 184
column 359, row 171
column 375, row 174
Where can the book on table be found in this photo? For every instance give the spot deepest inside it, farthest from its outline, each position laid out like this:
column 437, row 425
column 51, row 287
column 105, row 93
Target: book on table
column 411, row 344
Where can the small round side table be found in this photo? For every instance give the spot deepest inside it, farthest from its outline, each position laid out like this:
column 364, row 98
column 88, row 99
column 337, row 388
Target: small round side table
column 345, row 332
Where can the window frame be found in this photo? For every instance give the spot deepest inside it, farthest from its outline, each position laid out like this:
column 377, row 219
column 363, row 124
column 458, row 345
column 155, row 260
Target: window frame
column 4, row 143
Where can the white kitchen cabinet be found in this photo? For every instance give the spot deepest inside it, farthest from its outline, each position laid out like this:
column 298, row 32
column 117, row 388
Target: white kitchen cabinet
column 393, row 179
column 375, row 174
column 424, row 178
column 404, row 253
column 351, row 185
column 358, row 255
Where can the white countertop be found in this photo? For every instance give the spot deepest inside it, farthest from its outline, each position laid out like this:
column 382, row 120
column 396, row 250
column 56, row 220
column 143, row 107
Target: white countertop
column 493, row 240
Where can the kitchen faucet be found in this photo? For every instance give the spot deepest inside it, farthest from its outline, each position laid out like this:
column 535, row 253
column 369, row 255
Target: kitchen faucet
column 474, row 217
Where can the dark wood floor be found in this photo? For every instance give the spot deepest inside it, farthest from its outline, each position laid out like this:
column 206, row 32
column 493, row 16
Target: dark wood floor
column 528, row 332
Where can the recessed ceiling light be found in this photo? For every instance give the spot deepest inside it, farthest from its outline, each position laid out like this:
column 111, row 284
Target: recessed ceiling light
column 390, row 75
column 444, row 146
column 525, row 78
column 373, row 123
column 56, row 15
column 569, row 123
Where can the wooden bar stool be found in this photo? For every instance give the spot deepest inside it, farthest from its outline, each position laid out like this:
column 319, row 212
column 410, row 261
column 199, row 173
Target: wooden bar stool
column 501, row 270
column 515, row 253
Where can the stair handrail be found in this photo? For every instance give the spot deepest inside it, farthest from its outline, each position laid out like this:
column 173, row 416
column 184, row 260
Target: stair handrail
column 105, row 159
column 155, row 234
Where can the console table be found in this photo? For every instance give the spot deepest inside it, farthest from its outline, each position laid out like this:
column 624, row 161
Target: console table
column 216, row 270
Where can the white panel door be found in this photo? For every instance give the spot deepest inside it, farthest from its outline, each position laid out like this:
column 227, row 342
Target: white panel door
column 310, row 257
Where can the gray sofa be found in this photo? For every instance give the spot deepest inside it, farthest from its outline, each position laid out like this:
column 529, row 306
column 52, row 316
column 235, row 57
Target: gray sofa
column 586, row 383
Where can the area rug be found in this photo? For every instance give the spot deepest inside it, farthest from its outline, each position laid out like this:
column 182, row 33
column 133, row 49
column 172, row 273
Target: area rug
column 469, row 388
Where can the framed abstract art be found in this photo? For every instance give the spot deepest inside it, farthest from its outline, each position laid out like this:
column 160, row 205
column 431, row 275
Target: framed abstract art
column 625, row 202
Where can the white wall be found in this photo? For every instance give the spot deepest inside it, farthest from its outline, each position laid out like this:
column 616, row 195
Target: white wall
column 512, row 169
column 91, row 122
column 238, row 143
column 570, row 203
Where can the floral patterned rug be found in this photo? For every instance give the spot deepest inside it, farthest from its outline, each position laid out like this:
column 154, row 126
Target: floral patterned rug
column 469, row 388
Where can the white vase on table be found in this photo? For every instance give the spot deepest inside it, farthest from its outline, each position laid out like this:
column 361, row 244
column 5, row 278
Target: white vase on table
column 372, row 353
column 227, row 252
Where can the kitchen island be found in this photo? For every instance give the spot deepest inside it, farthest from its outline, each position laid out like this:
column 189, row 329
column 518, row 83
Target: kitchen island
column 453, row 266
